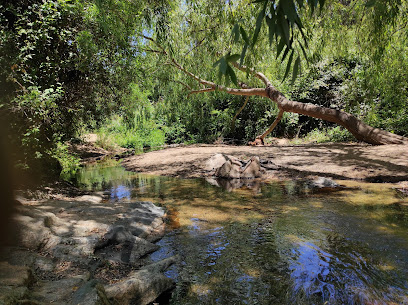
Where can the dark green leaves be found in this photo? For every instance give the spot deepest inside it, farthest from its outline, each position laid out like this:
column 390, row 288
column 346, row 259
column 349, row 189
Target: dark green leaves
column 296, row 69
column 259, row 20
column 224, row 69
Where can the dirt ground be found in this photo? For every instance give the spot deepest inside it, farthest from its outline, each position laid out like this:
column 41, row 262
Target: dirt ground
column 384, row 163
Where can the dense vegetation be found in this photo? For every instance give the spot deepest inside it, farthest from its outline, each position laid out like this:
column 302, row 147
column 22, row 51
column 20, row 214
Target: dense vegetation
column 69, row 67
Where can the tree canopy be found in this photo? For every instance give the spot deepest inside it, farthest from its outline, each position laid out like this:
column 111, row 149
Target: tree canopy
column 69, row 66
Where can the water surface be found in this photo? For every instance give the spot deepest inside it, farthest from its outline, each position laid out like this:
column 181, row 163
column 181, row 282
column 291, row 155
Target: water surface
column 275, row 243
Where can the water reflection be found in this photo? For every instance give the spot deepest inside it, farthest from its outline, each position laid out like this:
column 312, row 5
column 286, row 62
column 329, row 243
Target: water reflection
column 274, row 243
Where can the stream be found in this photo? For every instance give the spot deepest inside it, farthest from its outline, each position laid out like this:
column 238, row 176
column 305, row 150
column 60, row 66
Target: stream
column 272, row 243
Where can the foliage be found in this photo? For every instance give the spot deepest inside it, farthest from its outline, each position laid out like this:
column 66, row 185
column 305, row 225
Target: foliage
column 73, row 65
column 324, row 135
column 64, row 64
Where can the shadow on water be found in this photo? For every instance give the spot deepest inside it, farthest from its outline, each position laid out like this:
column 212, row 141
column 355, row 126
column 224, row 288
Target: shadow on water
column 273, row 243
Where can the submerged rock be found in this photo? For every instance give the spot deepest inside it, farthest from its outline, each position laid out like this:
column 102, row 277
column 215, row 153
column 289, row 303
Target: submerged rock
column 322, row 182
column 121, row 246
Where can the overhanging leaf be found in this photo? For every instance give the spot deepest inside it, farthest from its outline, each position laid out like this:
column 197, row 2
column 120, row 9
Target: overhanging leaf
column 244, row 49
column 244, row 35
column 284, row 25
column 232, row 75
column 280, row 47
column 233, row 57
column 235, row 32
column 259, row 20
column 223, row 65
column 288, row 65
column 296, row 69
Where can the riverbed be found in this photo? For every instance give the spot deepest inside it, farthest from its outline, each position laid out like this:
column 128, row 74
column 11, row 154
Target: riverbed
column 276, row 242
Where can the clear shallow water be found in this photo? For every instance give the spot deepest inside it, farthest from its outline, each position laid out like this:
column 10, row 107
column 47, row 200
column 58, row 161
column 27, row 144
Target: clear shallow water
column 276, row 243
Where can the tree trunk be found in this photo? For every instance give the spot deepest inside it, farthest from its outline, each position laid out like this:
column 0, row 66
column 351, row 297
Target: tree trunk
column 357, row 128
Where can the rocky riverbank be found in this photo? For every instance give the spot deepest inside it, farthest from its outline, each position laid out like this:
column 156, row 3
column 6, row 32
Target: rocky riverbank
column 84, row 250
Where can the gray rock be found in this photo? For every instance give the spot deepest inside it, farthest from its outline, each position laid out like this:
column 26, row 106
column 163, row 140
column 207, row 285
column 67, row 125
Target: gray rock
column 252, row 169
column 15, row 276
column 32, row 233
column 56, row 292
column 142, row 287
column 90, row 293
column 13, row 295
column 90, row 198
column 122, row 246
column 229, row 170
column 232, row 168
column 322, row 182
column 215, row 162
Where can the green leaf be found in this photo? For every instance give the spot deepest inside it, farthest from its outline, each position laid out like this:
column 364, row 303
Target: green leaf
column 272, row 28
column 233, row 57
column 288, row 65
column 259, row 20
column 217, row 63
column 289, row 9
column 235, row 32
column 244, row 49
column 296, row 69
column 321, row 2
column 223, row 65
column 304, row 37
column 304, row 52
column 284, row 25
column 285, row 53
column 280, row 47
column 232, row 75
column 370, row 3
column 244, row 35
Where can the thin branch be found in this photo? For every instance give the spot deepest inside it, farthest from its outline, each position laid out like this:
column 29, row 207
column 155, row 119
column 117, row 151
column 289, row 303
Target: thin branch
column 175, row 81
column 272, row 127
column 238, row 112
column 196, row 46
column 245, row 92
column 257, row 74
column 201, row 91
column 214, row 86
column 154, row 41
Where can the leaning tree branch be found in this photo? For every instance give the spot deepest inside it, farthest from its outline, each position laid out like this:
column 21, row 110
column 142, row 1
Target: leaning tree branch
column 358, row 128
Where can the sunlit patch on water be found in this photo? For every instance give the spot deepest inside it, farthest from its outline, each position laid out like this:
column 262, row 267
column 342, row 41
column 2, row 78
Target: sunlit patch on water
column 275, row 243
